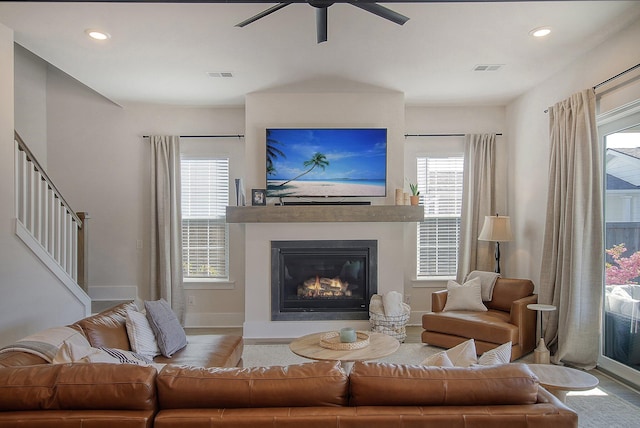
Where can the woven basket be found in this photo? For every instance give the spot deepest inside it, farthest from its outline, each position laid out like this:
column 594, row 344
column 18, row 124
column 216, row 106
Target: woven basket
column 393, row 325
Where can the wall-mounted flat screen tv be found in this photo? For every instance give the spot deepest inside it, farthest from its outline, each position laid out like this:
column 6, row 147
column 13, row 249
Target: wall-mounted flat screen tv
column 326, row 162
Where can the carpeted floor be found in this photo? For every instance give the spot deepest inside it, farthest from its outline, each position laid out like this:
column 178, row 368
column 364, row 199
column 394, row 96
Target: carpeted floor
column 596, row 408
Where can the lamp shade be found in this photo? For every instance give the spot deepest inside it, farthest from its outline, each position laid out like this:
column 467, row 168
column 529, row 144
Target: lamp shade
column 496, row 228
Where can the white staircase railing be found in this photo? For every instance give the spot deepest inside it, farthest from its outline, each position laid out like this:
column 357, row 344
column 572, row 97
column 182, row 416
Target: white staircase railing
column 45, row 221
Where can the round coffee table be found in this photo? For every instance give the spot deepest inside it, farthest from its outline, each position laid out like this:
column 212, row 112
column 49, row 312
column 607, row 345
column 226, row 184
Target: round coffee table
column 380, row 345
column 559, row 380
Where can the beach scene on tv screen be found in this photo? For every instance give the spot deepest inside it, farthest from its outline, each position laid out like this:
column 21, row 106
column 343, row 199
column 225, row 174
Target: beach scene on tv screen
column 326, row 162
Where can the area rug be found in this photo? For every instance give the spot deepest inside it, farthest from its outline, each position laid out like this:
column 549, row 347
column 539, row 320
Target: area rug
column 596, row 408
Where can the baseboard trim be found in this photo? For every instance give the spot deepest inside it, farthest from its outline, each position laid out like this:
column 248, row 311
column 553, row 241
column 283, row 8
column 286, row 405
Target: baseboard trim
column 416, row 317
column 213, row 320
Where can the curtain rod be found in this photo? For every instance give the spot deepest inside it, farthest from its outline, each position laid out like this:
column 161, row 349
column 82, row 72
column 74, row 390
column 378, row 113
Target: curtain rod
column 439, row 135
column 206, row 136
column 616, row 76
column 610, row 79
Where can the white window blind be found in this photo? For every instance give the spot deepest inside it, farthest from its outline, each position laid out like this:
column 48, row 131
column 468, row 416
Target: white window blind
column 205, row 235
column 440, row 185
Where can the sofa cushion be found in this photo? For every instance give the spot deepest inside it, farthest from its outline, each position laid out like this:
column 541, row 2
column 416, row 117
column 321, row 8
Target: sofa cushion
column 108, row 328
column 508, row 290
column 169, row 333
column 77, row 386
column 313, row 384
column 407, row 385
column 207, row 350
column 465, row 297
column 492, row 326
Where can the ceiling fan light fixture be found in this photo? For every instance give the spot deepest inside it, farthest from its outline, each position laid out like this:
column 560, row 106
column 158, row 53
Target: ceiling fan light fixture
column 321, row 14
column 540, row 32
column 97, row 34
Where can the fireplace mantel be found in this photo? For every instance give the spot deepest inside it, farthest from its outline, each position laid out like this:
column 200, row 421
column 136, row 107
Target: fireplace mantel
column 325, row 213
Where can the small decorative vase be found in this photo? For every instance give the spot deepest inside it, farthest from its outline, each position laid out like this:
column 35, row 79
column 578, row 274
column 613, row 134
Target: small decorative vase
column 347, row 335
column 415, row 200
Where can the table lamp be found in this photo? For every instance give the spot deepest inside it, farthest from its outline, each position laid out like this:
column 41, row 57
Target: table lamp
column 498, row 229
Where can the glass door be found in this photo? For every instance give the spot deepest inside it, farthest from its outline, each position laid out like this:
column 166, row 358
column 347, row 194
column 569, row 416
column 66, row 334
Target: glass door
column 620, row 344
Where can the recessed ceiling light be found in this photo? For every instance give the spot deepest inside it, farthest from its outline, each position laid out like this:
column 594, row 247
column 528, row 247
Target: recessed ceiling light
column 540, row 32
column 97, row 35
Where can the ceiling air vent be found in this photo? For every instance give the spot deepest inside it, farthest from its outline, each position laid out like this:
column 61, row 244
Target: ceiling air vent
column 488, row 67
column 219, row 74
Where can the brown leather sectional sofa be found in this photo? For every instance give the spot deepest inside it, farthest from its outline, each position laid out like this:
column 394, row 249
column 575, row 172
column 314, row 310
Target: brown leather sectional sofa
column 108, row 329
column 201, row 387
column 309, row 395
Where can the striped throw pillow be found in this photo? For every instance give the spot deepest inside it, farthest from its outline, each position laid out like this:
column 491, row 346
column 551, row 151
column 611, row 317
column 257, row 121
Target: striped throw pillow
column 141, row 336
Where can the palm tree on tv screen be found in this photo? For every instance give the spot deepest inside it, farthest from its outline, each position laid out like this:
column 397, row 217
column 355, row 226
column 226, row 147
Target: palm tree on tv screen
column 273, row 152
column 317, row 160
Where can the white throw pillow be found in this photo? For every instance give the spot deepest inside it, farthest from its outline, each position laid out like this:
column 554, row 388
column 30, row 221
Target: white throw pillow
column 464, row 354
column 440, row 360
column 495, row 356
column 141, row 336
column 466, row 297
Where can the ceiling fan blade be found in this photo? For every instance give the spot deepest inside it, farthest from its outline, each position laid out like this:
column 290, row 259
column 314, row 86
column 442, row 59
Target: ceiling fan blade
column 263, row 14
column 383, row 12
column 321, row 24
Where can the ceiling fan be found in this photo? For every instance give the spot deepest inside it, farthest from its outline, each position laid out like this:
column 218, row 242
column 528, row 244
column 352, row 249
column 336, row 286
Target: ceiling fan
column 321, row 14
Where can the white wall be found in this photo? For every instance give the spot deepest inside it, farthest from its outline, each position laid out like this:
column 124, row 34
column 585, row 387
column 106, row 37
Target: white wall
column 100, row 161
column 32, row 298
column 30, row 87
column 528, row 130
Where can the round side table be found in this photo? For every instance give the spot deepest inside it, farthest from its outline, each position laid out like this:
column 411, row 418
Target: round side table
column 541, row 353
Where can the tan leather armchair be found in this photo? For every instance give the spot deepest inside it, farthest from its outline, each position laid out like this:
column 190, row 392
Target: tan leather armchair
column 507, row 319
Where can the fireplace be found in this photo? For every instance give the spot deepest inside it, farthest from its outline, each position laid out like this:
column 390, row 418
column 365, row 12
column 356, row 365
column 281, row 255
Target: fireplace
column 322, row 280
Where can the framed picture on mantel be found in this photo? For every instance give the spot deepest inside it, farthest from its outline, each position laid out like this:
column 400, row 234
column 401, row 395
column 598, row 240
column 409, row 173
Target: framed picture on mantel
column 258, row 197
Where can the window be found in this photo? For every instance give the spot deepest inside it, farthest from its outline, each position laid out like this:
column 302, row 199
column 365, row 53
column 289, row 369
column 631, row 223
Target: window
column 619, row 132
column 205, row 235
column 440, row 185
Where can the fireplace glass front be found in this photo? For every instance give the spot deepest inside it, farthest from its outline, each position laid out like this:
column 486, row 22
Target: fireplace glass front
column 322, row 280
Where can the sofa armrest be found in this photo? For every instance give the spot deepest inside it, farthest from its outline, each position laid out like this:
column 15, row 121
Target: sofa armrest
column 525, row 319
column 519, row 312
column 438, row 300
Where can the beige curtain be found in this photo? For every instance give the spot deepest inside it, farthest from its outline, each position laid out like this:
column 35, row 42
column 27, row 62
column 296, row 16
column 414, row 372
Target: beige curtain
column 166, row 227
column 478, row 201
column 573, row 251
